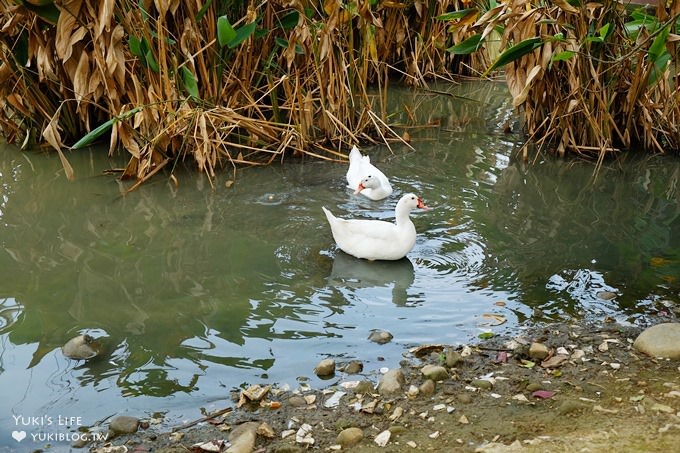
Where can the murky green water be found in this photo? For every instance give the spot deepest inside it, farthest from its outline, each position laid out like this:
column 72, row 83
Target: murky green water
column 196, row 291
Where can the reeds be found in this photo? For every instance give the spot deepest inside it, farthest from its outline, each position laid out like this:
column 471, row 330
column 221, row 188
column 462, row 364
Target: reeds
column 219, row 83
column 591, row 79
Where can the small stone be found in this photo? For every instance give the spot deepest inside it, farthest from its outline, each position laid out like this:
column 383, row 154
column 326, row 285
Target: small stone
column 242, row 438
column 570, row 406
column 382, row 438
column 349, row 437
column 453, row 358
column 380, row 336
column 606, row 295
column 325, row 368
column 364, row 387
column 265, row 430
column 82, row 347
column 533, row 386
column 481, row 384
column 463, row 420
column 427, row 388
column 538, row 351
column 412, row 392
column 661, row 340
column 297, row 401
column 124, row 424
column 434, row 372
column 398, row 412
column 555, row 361
column 353, row 367
column 391, row 382
column 464, row 398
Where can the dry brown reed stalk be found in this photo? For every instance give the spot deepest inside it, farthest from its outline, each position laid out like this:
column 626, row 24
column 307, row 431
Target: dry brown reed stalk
column 221, row 83
column 589, row 79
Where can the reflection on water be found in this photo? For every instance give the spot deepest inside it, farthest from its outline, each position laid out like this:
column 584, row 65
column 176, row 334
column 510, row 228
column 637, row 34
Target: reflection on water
column 195, row 291
column 349, row 274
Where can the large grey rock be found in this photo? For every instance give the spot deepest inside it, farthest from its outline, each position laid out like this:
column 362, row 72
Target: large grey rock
column 391, row 382
column 661, row 340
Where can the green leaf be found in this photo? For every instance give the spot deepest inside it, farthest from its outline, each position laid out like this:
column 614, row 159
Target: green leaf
column 97, row 132
column 242, row 34
column 135, row 46
column 658, row 47
column 562, row 56
column 486, row 335
column 225, row 32
column 151, row 61
column 284, row 43
column 290, row 20
column 604, row 31
column 49, row 12
column 472, row 44
column 20, row 50
column 201, row 12
column 455, row 15
column 514, row 53
column 659, row 68
column 190, row 83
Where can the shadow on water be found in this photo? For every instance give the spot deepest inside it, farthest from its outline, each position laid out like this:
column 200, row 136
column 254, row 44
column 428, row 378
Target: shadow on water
column 349, row 273
column 196, row 290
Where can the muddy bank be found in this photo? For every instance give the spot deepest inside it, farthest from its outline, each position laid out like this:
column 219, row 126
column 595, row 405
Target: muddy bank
column 556, row 387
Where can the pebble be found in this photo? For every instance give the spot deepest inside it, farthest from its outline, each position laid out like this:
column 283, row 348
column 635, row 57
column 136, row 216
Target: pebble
column 427, row 388
column 124, row 424
column 538, row 351
column 391, row 382
column 82, row 347
column 380, row 336
column 481, row 384
column 349, row 437
column 363, row 387
column 453, row 358
column 569, row 406
column 661, row 340
column 434, row 372
column 242, row 438
column 325, row 368
column 353, row 367
column 297, row 401
column 382, row 438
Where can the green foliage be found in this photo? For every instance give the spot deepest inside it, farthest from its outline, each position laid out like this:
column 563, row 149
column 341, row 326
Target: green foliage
column 472, row 44
column 97, row 132
column 190, row 83
column 225, row 32
column 514, row 53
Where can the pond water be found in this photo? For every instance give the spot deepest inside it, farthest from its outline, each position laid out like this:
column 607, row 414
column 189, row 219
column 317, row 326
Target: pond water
column 195, row 291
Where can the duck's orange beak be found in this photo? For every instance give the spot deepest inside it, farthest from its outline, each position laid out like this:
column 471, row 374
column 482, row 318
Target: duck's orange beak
column 360, row 187
column 421, row 204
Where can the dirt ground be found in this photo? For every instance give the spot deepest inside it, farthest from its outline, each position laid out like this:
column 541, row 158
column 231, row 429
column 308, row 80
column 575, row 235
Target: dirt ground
column 596, row 394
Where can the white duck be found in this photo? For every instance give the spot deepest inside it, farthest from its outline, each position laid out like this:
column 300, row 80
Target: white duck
column 363, row 177
column 377, row 239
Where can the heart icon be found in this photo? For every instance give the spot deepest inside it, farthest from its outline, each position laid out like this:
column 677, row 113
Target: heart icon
column 19, row 435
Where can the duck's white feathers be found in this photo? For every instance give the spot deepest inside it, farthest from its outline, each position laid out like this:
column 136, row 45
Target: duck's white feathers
column 377, row 239
column 360, row 168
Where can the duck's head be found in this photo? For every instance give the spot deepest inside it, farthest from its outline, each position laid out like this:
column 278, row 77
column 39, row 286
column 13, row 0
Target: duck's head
column 369, row 182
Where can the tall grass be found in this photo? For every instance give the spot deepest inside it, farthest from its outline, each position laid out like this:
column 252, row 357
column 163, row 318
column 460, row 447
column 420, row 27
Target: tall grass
column 218, row 83
column 590, row 78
